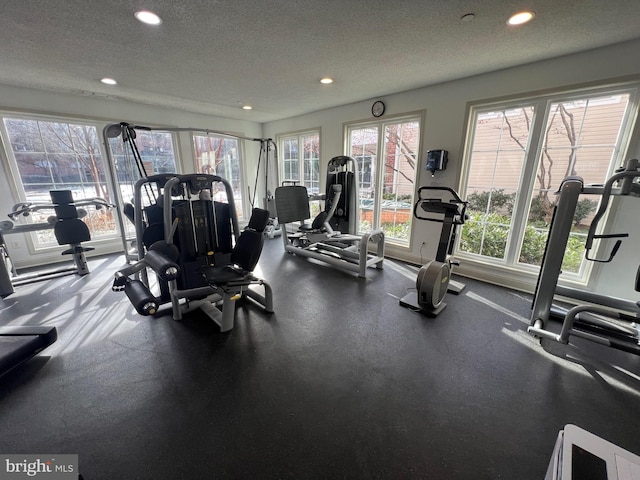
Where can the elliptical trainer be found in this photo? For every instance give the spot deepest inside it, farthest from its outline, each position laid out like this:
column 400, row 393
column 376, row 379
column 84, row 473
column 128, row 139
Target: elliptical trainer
column 434, row 278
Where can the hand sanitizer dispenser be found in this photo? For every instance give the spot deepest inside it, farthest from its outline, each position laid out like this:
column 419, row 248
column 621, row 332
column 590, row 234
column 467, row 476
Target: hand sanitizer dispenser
column 437, row 160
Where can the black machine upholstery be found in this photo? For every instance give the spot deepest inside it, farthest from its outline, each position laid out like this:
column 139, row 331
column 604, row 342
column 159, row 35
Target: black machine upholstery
column 346, row 180
column 203, row 227
column 292, row 203
column 333, row 237
column 72, row 231
column 343, row 219
column 202, row 261
column 247, row 250
column 19, row 344
column 69, row 229
column 245, row 254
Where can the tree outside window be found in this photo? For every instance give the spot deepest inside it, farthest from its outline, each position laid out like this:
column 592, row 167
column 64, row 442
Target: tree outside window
column 219, row 155
column 580, row 136
column 157, row 154
column 53, row 155
column 386, row 199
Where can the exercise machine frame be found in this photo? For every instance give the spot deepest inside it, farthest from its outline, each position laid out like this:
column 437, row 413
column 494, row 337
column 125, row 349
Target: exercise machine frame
column 577, row 321
column 128, row 133
column 65, row 207
column 346, row 251
column 434, row 278
column 216, row 300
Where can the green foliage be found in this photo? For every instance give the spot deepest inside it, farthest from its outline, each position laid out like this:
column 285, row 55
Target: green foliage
column 490, row 241
column 399, row 231
column 397, row 198
column 584, row 208
column 495, row 228
column 478, row 201
column 533, row 245
column 574, row 254
column 541, row 210
column 365, row 225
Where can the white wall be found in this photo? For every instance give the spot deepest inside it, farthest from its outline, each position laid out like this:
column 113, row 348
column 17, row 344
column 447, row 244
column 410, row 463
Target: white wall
column 108, row 111
column 446, row 107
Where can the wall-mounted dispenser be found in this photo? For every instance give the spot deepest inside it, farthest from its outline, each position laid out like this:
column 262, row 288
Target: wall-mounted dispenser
column 437, row 160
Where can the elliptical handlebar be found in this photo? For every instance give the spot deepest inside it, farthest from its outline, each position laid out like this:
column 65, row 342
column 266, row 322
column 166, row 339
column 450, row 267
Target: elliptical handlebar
column 455, row 208
column 453, row 193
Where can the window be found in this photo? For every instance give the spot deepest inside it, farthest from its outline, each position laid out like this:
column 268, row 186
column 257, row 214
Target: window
column 55, row 155
column 220, row 155
column 156, row 149
column 386, row 154
column 301, row 160
column 518, row 154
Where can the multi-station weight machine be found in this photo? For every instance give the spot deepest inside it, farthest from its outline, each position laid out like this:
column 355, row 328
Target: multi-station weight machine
column 68, row 229
column 135, row 166
column 602, row 319
column 332, row 237
column 188, row 238
column 193, row 245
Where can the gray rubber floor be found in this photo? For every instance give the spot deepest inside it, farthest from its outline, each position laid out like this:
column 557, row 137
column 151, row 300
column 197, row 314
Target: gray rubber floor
column 340, row 382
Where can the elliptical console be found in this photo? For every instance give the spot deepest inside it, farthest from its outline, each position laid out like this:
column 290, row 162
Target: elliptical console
column 434, row 278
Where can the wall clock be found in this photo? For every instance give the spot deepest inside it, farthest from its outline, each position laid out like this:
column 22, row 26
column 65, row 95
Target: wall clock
column 377, row 109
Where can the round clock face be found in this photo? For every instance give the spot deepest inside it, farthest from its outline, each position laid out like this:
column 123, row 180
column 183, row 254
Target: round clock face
column 377, row 109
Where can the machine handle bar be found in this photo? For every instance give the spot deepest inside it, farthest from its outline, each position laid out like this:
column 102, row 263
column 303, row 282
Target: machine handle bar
column 460, row 216
column 627, row 177
column 453, row 193
column 26, row 208
column 614, row 250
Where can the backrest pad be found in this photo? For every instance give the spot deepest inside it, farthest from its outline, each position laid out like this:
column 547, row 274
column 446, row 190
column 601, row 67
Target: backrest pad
column 292, row 203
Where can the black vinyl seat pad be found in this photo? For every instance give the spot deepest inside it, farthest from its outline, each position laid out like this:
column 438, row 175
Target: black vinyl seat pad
column 19, row 344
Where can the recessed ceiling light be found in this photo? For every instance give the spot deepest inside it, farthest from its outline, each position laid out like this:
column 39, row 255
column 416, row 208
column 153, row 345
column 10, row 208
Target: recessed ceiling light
column 326, row 80
column 109, row 81
column 247, row 107
column 147, row 17
column 520, row 18
column 468, row 17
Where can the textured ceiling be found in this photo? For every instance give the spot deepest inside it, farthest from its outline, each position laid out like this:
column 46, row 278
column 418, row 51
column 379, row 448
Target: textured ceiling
column 210, row 56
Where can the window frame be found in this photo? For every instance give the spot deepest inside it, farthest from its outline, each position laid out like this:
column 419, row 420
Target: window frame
column 127, row 229
column 298, row 136
column 14, row 178
column 378, row 170
column 243, row 212
column 526, row 185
